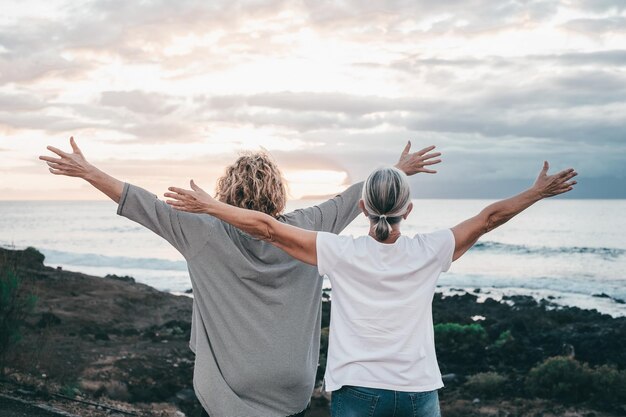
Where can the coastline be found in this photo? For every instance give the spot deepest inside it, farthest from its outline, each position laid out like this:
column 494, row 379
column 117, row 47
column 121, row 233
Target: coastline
column 124, row 344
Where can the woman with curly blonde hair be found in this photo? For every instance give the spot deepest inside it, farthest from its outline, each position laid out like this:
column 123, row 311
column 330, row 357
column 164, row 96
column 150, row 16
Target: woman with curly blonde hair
column 253, row 182
column 256, row 311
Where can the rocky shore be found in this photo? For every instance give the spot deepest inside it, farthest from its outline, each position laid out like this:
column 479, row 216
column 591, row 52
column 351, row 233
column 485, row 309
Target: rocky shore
column 97, row 346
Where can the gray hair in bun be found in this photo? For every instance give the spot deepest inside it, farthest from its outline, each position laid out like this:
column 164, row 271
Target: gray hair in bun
column 386, row 196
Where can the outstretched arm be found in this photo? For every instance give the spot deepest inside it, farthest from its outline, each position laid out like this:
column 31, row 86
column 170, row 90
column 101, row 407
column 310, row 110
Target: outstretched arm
column 75, row 165
column 496, row 214
column 299, row 243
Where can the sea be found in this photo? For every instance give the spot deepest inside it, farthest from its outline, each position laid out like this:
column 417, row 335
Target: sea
column 571, row 252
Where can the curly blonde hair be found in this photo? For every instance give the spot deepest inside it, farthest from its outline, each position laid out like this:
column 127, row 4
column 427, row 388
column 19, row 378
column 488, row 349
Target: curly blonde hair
column 253, row 182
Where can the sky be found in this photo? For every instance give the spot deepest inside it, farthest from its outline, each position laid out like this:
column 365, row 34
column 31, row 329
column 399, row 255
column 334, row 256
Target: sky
column 158, row 92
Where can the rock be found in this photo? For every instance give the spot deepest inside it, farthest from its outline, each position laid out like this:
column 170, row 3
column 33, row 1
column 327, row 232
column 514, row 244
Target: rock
column 124, row 278
column 29, row 257
column 601, row 295
column 48, row 319
column 25, row 392
column 101, row 335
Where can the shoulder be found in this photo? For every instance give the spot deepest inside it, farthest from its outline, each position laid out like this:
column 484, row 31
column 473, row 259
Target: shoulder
column 331, row 239
column 303, row 218
column 333, row 245
column 434, row 240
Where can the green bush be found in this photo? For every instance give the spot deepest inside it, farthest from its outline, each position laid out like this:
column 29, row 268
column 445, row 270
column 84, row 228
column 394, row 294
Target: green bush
column 486, row 384
column 461, row 345
column 460, row 335
column 461, row 342
column 568, row 380
column 15, row 305
column 504, row 339
column 562, row 378
column 609, row 385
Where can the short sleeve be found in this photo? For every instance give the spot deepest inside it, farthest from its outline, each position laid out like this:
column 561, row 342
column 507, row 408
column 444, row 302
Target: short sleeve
column 187, row 232
column 335, row 214
column 442, row 244
column 329, row 251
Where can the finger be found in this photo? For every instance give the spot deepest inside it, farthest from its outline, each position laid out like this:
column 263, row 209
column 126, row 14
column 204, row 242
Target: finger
column 57, row 151
column 50, row 159
column 546, row 167
column 174, row 195
column 75, row 147
column 425, row 150
column 570, row 176
column 180, row 190
column 433, row 162
column 194, row 186
column 431, row 155
column 55, row 165
column 565, row 173
column 428, row 171
column 57, row 171
column 407, row 148
column 175, row 203
column 571, row 183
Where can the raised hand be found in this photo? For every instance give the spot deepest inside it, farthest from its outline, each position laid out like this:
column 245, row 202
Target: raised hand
column 412, row 163
column 551, row 185
column 195, row 200
column 71, row 164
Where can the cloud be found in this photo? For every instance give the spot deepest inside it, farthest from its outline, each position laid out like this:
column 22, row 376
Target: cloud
column 600, row 5
column 139, row 101
column 598, row 26
column 20, row 102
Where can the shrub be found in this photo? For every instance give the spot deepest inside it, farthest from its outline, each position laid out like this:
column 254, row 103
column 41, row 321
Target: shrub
column 15, row 305
column 463, row 343
column 562, row 378
column 505, row 338
column 609, row 386
column 486, row 384
column 566, row 379
column 460, row 335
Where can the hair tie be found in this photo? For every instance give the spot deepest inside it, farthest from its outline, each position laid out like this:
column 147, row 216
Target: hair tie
column 382, row 217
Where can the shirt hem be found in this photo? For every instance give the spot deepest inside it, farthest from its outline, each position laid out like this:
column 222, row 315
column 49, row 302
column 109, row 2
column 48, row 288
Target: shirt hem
column 120, row 204
column 416, row 388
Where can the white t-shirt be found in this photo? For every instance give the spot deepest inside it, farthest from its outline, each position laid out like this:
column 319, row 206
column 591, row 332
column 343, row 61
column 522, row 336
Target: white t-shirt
column 381, row 326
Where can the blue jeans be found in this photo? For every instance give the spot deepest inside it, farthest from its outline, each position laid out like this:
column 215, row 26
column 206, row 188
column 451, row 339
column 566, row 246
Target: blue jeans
column 352, row 401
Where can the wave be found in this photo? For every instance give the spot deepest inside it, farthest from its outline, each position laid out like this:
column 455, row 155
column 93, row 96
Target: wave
column 95, row 260
column 607, row 253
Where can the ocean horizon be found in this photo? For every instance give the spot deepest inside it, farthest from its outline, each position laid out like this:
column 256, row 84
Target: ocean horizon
column 569, row 251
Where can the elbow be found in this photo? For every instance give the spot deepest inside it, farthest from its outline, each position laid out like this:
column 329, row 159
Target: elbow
column 266, row 231
column 490, row 222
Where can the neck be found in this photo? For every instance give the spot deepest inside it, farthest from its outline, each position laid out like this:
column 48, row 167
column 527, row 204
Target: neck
column 393, row 235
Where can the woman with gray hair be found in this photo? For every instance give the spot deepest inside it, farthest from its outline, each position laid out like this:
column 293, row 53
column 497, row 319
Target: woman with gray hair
column 381, row 355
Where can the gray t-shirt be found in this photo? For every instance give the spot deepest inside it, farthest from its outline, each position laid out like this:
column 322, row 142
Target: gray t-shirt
column 255, row 327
